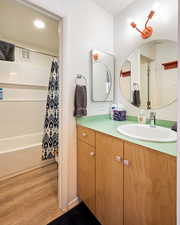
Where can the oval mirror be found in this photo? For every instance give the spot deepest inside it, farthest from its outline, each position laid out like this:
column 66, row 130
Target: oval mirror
column 102, row 76
column 148, row 78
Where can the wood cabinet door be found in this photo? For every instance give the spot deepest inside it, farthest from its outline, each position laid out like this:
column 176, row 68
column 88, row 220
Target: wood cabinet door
column 86, row 174
column 149, row 187
column 109, row 180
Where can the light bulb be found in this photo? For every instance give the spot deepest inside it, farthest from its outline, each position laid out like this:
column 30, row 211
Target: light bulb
column 96, row 52
column 39, row 24
column 96, row 55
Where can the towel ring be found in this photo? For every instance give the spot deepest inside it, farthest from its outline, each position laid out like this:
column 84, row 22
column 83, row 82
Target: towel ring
column 136, row 86
column 79, row 77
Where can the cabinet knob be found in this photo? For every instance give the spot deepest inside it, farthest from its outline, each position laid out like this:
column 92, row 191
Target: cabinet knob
column 126, row 162
column 84, row 134
column 92, row 153
column 118, row 158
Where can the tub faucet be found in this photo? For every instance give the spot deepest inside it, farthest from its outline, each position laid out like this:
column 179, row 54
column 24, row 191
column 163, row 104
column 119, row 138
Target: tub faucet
column 152, row 119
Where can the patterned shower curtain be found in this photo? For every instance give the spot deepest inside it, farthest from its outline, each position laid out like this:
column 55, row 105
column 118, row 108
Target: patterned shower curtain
column 51, row 124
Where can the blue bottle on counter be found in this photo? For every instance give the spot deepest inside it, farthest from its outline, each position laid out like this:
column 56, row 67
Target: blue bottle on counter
column 113, row 107
column 119, row 114
column 1, row 93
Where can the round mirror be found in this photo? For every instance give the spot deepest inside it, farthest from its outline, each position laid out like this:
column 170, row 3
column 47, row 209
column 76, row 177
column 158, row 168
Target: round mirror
column 148, row 78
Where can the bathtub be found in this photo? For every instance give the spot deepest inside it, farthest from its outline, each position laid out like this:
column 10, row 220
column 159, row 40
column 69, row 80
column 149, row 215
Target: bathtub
column 20, row 154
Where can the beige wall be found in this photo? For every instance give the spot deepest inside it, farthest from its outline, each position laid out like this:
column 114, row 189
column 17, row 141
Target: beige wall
column 23, row 32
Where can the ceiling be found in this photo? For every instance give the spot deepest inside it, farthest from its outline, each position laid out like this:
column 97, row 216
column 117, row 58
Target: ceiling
column 114, row 6
column 16, row 26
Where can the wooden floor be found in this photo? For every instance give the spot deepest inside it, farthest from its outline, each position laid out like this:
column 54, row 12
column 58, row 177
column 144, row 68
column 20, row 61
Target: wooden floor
column 31, row 198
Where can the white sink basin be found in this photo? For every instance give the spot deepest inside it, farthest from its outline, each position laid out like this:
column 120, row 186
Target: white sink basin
column 147, row 133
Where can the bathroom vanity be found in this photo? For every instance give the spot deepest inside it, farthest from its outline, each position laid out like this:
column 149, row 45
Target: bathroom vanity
column 125, row 181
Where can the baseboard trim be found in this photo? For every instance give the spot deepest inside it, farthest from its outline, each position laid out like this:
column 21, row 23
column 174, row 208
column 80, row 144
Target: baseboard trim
column 43, row 164
column 73, row 203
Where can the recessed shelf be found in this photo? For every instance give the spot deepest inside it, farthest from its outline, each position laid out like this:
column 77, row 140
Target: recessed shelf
column 125, row 74
column 24, row 100
column 170, row 65
column 22, row 86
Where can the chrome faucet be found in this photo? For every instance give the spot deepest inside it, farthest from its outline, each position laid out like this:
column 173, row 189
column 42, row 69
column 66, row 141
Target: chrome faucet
column 152, row 119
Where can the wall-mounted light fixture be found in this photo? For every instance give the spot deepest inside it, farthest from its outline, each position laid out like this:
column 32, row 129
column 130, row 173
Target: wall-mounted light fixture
column 96, row 55
column 39, row 24
column 148, row 30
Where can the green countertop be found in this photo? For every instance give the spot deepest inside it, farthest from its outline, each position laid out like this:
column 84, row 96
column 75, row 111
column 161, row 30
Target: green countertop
column 104, row 124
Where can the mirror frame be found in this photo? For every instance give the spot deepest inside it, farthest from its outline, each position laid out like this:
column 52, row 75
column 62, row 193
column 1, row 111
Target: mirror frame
column 91, row 72
column 119, row 85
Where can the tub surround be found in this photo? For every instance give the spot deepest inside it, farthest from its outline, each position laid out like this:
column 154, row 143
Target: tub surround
column 27, row 159
column 20, row 154
column 103, row 124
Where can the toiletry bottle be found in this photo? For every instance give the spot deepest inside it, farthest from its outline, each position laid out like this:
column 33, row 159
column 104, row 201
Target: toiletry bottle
column 113, row 107
column 119, row 113
column 142, row 117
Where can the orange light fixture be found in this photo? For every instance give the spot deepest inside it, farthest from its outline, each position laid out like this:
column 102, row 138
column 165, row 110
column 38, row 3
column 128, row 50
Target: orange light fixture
column 148, row 30
column 95, row 56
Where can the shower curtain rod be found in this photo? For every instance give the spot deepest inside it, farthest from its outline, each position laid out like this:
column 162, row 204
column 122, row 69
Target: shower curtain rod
column 43, row 53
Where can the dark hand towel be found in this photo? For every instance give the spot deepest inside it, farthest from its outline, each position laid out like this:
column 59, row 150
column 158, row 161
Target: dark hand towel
column 80, row 101
column 174, row 127
column 7, row 51
column 136, row 98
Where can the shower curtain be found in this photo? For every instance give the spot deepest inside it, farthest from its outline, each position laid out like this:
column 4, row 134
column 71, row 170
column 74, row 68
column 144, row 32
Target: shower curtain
column 50, row 140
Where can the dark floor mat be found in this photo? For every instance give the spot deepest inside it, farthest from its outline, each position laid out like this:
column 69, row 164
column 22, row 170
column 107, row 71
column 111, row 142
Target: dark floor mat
column 80, row 215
